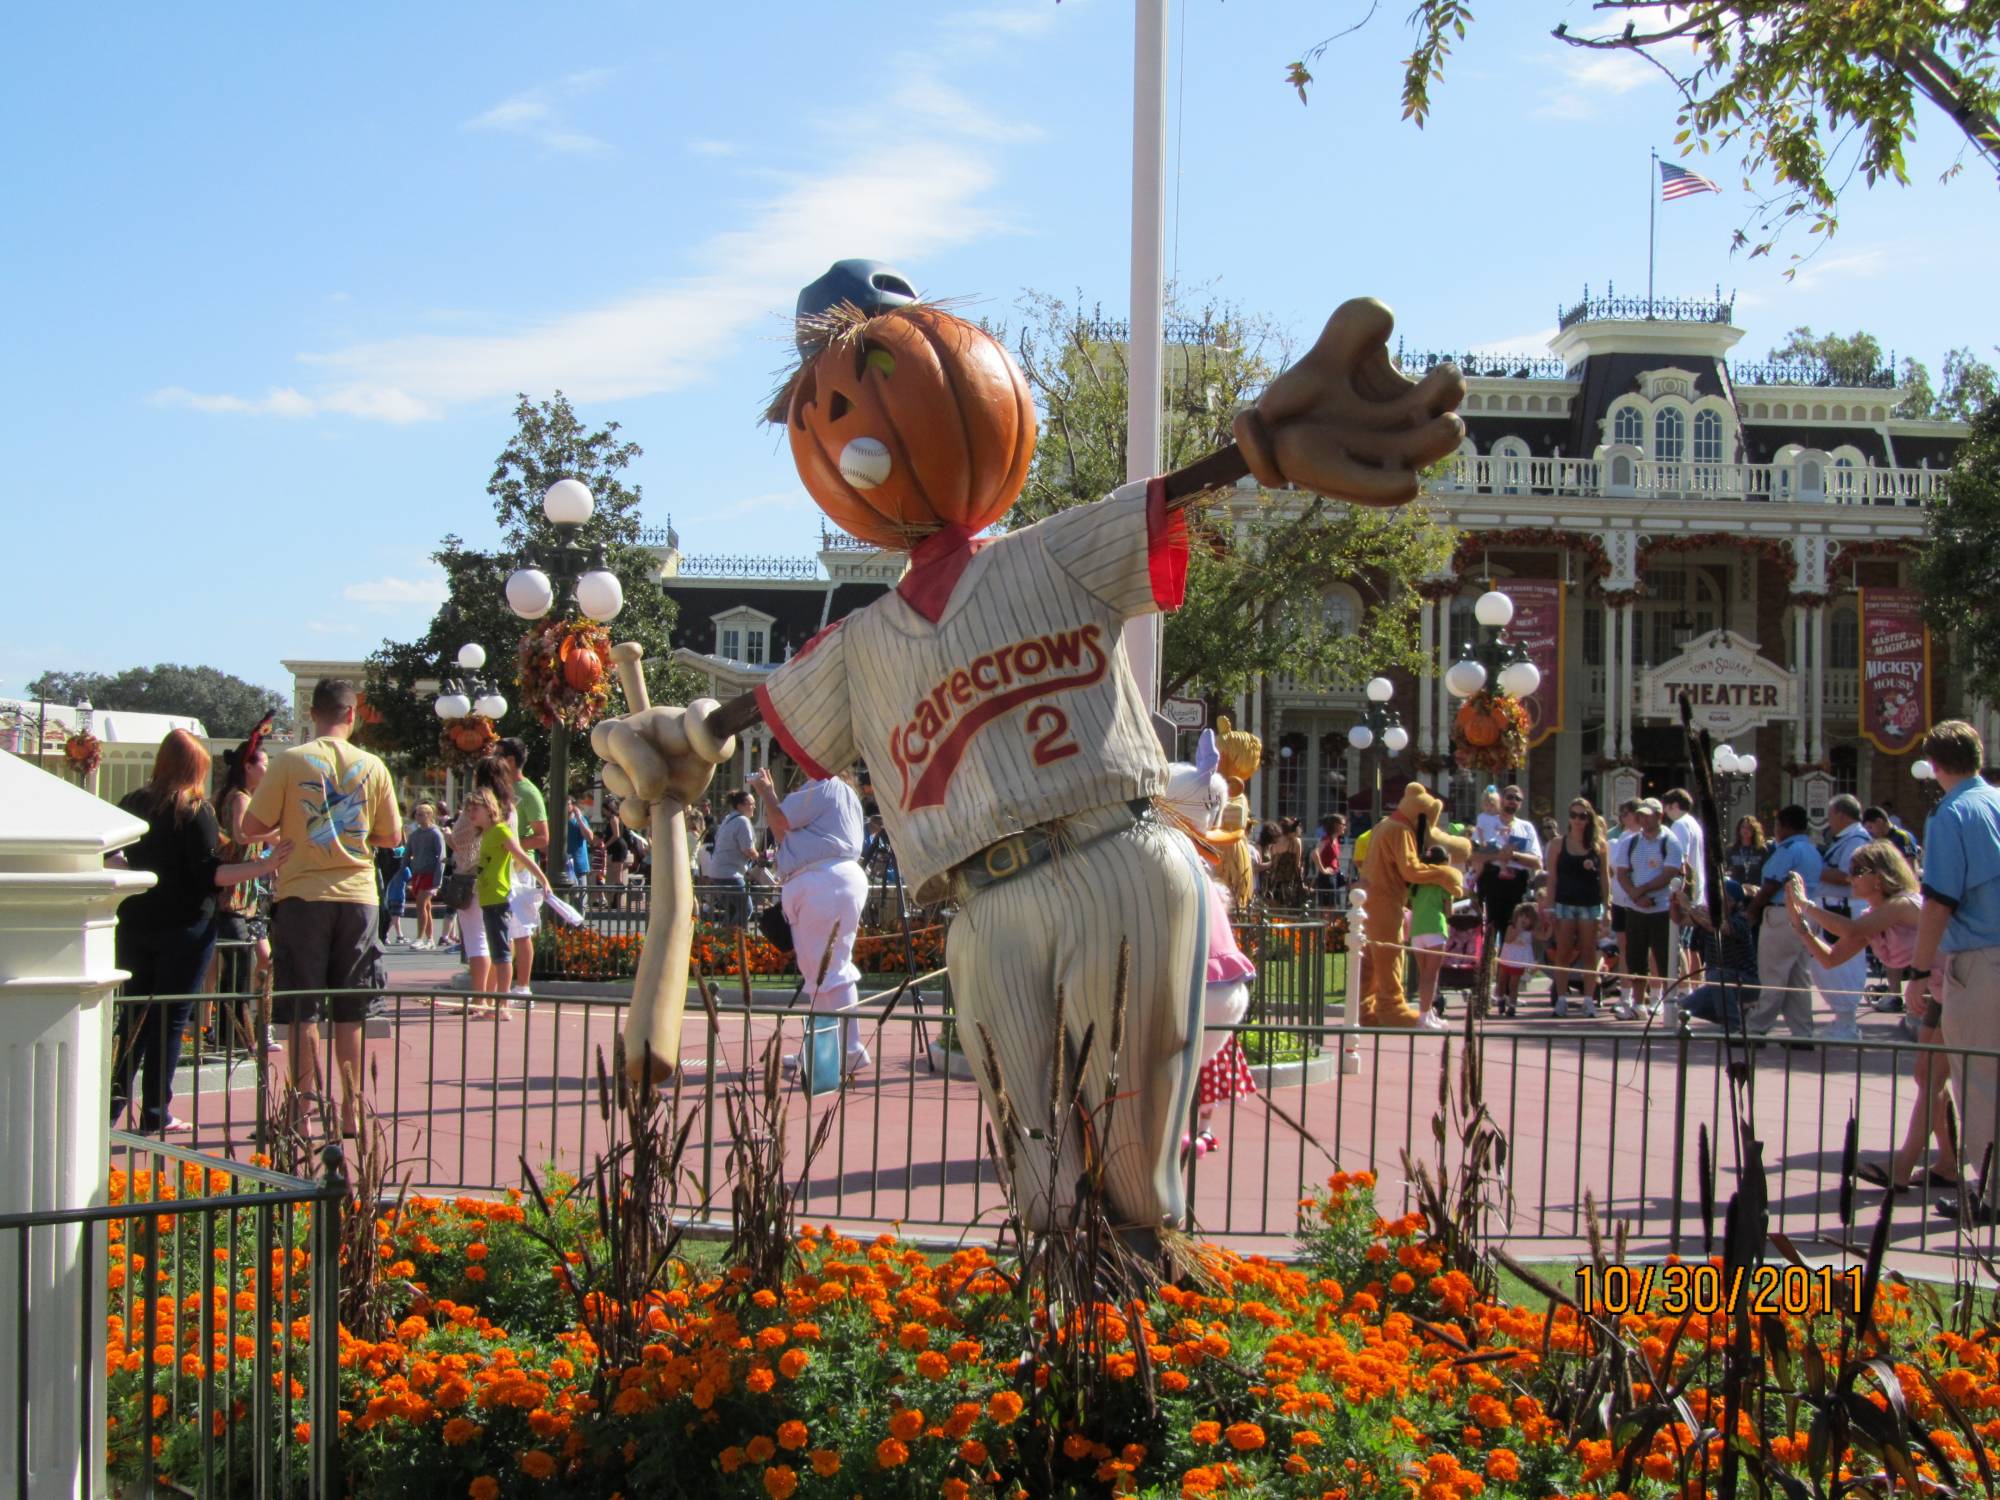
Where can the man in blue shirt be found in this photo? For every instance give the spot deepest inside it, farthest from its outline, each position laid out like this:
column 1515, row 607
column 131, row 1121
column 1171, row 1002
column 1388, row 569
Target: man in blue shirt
column 1843, row 985
column 1958, row 938
column 1783, row 966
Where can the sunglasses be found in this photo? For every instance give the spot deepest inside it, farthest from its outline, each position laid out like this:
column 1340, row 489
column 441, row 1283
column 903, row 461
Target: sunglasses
column 1581, row 817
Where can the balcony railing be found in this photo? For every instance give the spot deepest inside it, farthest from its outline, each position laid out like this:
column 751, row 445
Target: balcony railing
column 1716, row 309
column 1504, row 474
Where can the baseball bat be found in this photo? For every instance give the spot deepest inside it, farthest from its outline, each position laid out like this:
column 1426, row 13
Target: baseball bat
column 659, row 989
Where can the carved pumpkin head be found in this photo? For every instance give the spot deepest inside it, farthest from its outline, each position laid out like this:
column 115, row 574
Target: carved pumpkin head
column 907, row 421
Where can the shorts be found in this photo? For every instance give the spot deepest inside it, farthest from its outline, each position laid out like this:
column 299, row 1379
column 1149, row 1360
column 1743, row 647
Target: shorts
column 494, row 920
column 472, row 932
column 1567, row 913
column 421, row 884
column 1513, row 971
column 1618, row 917
column 1428, row 940
column 1647, row 933
column 324, row 946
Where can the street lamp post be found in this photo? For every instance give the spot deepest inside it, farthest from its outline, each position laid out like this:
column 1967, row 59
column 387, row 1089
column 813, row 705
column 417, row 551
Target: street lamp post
column 539, row 586
column 1379, row 722
column 1734, row 775
column 1926, row 775
column 1494, row 658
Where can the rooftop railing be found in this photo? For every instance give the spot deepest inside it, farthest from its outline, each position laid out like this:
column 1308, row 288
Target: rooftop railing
column 1611, row 306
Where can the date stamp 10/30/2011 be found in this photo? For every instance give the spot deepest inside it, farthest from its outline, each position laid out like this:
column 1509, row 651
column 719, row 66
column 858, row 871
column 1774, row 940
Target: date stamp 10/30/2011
column 1708, row 1291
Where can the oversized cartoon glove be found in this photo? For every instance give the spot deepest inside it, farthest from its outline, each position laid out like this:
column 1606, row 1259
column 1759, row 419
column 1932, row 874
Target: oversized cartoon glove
column 1345, row 422
column 659, row 760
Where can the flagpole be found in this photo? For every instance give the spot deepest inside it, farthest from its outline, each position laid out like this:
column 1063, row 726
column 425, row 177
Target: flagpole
column 1652, row 226
column 1147, row 353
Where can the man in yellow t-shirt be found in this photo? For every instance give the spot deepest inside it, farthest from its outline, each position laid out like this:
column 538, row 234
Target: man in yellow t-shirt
column 335, row 804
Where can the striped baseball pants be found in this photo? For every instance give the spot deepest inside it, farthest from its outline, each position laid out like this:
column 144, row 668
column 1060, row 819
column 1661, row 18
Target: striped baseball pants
column 1060, row 924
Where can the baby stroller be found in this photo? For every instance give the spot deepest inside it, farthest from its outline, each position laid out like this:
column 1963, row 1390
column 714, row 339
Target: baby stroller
column 1462, row 939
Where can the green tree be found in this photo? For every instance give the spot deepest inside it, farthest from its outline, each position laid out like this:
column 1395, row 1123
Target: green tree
column 1809, row 90
column 227, row 706
column 1959, row 568
column 1261, row 567
column 1855, row 358
column 550, row 442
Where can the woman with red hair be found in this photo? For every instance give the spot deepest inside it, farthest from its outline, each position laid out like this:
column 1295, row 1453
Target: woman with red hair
column 166, row 934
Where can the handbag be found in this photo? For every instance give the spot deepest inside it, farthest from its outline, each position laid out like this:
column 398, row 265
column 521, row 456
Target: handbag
column 457, row 891
column 777, row 931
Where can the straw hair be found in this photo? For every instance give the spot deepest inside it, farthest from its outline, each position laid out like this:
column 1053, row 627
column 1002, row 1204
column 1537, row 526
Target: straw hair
column 1885, row 862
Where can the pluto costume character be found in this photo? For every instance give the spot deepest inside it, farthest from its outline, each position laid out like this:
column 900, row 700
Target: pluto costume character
column 1011, row 751
column 1394, row 863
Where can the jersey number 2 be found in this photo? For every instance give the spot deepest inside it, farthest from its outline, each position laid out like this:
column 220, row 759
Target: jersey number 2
column 1050, row 725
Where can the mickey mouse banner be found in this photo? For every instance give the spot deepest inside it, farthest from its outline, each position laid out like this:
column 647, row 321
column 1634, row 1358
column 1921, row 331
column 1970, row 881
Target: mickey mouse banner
column 1895, row 669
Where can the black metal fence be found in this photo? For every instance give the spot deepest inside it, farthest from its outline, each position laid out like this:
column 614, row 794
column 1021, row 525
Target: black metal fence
column 212, row 1287
column 1602, row 1117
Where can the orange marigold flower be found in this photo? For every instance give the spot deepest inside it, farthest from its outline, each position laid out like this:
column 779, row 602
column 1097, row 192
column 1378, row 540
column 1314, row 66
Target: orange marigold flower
column 760, row 1449
column 1174, row 1381
column 1076, row 1445
column 1402, row 1283
column 1206, row 1433
column 475, row 1251
column 759, row 1381
column 780, row 1482
column 791, row 1435
column 485, row 1487
column 475, row 1273
column 461, row 1430
column 731, row 1459
column 1502, row 1464
column 1004, row 1407
column 1245, row 1437
column 933, row 1365
column 955, row 1489
column 792, row 1363
column 825, row 1462
column 537, row 1464
column 913, row 1336
column 889, row 1453
column 907, row 1424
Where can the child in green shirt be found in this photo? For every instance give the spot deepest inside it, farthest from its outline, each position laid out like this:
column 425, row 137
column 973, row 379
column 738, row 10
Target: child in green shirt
column 498, row 851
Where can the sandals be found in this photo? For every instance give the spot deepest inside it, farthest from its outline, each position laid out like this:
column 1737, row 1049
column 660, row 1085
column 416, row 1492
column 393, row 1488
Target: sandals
column 1875, row 1175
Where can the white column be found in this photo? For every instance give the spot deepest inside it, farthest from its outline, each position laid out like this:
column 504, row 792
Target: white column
column 58, row 908
column 1609, row 743
column 1626, row 679
column 1426, row 643
column 1438, row 690
column 1816, row 680
column 1255, row 724
column 1801, row 729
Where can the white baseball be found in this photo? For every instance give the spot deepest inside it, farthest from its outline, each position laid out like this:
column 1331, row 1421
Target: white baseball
column 864, row 463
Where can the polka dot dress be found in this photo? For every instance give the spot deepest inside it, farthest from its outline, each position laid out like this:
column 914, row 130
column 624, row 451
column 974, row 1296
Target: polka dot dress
column 1224, row 1077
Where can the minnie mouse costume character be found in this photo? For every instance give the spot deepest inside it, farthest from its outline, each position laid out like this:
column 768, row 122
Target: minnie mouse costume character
column 1013, row 757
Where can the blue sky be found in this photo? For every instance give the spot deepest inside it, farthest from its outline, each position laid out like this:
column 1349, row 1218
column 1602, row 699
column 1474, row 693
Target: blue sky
column 276, row 273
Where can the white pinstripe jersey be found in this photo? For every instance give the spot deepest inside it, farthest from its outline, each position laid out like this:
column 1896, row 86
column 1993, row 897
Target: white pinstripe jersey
column 1016, row 707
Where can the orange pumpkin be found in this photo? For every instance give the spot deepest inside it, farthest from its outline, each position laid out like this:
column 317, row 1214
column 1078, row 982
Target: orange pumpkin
column 583, row 669
column 468, row 736
column 908, row 422
column 1478, row 728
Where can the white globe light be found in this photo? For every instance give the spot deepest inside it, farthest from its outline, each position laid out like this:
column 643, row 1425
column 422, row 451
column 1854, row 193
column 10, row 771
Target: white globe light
column 1396, row 738
column 529, row 593
column 1726, row 762
column 599, row 594
column 1493, row 608
column 1361, row 736
column 491, row 705
column 1380, row 690
column 1746, row 765
column 1519, row 679
column 472, row 656
column 1464, row 679
column 1922, row 770
column 1357, row 897
column 568, row 502
column 453, row 706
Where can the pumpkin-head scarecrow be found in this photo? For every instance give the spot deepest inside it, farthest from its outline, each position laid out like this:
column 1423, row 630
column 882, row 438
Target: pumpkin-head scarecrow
column 1011, row 750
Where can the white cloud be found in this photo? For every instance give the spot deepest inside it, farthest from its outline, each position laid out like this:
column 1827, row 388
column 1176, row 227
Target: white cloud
column 1587, row 79
column 989, row 24
column 1856, row 265
column 906, row 182
column 1535, row 345
column 537, row 114
column 392, row 592
column 712, row 148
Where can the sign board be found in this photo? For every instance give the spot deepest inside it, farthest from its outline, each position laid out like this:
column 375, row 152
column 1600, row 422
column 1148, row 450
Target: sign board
column 1816, row 792
column 1729, row 684
column 1538, row 626
column 1185, row 713
column 1895, row 669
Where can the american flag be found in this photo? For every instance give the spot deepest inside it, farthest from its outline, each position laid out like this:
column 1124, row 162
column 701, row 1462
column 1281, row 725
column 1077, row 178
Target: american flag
column 1679, row 182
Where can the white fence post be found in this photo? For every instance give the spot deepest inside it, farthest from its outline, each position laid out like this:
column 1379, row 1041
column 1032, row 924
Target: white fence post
column 58, row 919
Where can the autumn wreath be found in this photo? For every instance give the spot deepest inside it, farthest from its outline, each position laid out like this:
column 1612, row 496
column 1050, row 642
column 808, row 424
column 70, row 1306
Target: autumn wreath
column 566, row 671
column 83, row 751
column 1490, row 733
column 463, row 743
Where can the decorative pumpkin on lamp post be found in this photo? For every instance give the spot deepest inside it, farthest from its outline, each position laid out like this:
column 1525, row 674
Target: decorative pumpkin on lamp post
column 1490, row 730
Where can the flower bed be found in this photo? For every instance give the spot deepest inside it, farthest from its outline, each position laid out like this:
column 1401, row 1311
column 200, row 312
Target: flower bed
column 1366, row 1369
column 586, row 953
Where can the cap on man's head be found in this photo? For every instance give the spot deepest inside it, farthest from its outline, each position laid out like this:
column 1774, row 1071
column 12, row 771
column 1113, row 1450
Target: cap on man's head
column 1650, row 805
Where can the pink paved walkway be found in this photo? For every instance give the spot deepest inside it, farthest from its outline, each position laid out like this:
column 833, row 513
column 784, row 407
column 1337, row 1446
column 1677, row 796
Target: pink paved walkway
column 1589, row 1109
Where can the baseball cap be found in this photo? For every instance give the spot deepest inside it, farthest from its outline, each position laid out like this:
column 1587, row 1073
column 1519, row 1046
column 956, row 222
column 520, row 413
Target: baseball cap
column 1651, row 805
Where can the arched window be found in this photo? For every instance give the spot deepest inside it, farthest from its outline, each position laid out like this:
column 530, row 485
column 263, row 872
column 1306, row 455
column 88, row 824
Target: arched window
column 1510, row 466
column 1707, row 437
column 1669, row 435
column 1340, row 612
column 1628, row 426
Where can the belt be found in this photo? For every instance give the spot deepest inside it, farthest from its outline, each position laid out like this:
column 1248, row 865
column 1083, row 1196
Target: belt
column 1023, row 851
